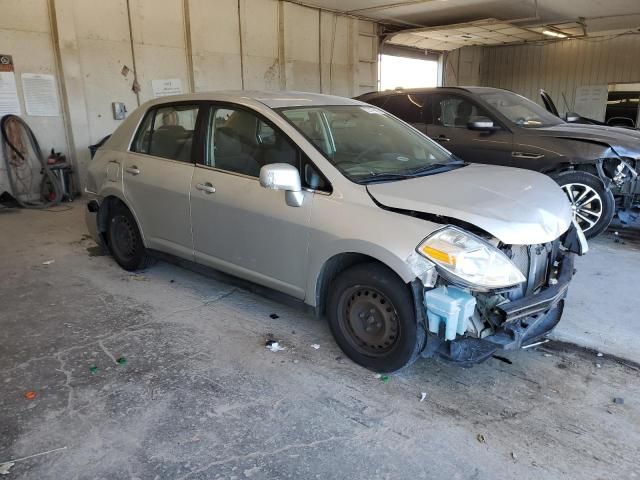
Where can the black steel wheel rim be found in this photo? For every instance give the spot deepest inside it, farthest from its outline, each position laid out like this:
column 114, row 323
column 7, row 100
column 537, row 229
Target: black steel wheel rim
column 368, row 320
column 124, row 237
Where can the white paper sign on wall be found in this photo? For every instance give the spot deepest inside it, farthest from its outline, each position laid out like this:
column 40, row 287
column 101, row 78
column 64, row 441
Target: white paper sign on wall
column 9, row 103
column 591, row 101
column 40, row 95
column 168, row 86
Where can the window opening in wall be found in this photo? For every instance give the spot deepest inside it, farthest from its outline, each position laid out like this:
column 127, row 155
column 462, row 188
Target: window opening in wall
column 404, row 72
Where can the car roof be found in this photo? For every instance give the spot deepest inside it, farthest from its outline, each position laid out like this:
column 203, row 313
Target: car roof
column 400, row 91
column 270, row 99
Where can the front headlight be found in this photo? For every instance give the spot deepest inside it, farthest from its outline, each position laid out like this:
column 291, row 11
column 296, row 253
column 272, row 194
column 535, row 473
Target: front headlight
column 469, row 260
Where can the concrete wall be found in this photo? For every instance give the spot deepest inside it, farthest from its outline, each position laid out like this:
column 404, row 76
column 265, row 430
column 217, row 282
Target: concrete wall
column 558, row 67
column 208, row 45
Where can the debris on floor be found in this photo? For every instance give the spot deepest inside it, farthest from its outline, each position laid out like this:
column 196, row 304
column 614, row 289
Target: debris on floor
column 618, row 400
column 4, row 467
column 93, row 369
column 315, row 346
column 481, row 438
column 30, row 395
column 274, row 316
column 48, row 262
column 599, row 354
column 598, row 365
column 274, row 346
column 382, row 378
column 514, row 456
column 423, row 396
column 121, row 361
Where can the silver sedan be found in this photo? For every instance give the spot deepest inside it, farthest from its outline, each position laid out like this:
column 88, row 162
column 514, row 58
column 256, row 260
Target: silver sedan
column 404, row 248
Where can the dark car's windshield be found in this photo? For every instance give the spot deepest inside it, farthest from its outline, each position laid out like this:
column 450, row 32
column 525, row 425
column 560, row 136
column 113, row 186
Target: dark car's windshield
column 519, row 110
column 367, row 144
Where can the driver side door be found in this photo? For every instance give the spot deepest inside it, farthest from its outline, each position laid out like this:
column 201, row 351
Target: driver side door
column 447, row 124
column 238, row 226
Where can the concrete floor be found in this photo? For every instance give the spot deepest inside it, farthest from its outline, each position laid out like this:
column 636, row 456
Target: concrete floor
column 603, row 305
column 200, row 397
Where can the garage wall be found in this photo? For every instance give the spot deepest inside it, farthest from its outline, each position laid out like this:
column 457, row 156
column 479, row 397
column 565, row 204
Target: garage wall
column 558, row 67
column 25, row 34
column 99, row 50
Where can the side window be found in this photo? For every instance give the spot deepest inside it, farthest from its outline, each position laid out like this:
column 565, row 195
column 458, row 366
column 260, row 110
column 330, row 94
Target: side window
column 143, row 135
column 240, row 142
column 378, row 102
column 406, row 107
column 168, row 132
column 454, row 111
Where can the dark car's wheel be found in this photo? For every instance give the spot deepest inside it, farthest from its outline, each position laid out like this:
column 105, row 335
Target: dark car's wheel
column 125, row 241
column 372, row 317
column 593, row 205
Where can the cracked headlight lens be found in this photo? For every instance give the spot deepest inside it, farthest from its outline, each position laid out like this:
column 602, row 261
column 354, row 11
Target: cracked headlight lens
column 469, row 260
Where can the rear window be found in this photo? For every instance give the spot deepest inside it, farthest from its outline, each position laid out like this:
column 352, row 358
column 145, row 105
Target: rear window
column 167, row 132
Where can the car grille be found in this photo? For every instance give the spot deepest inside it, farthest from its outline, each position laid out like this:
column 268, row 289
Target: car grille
column 535, row 262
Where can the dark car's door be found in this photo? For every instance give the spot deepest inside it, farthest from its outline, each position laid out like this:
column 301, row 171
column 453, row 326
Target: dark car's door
column 447, row 116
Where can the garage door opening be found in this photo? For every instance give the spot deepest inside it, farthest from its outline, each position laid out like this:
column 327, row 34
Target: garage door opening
column 404, row 72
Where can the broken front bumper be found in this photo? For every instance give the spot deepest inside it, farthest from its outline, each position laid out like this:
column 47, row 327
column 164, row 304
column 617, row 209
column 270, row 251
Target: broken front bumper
column 521, row 323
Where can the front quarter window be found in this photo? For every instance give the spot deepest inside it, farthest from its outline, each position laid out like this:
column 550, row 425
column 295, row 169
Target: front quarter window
column 367, row 144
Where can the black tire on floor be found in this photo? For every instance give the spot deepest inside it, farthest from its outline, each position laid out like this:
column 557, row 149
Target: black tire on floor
column 125, row 241
column 575, row 183
column 372, row 317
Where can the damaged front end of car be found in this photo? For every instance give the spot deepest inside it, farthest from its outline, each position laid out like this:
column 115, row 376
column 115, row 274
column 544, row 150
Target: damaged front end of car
column 620, row 174
column 487, row 295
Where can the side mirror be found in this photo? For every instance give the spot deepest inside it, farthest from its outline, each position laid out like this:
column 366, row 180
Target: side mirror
column 282, row 176
column 482, row 123
column 572, row 117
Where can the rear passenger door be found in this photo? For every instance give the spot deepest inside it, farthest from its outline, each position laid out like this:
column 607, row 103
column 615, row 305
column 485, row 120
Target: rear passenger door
column 408, row 107
column 447, row 125
column 157, row 176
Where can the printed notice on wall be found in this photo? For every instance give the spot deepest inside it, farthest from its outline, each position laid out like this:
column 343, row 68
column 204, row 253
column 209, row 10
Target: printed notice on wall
column 169, row 86
column 40, row 95
column 9, row 103
column 591, row 101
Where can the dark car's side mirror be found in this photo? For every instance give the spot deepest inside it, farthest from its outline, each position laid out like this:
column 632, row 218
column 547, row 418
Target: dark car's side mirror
column 572, row 117
column 482, row 124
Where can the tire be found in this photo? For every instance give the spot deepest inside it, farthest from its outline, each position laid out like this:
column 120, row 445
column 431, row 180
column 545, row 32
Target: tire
column 595, row 216
column 125, row 241
column 394, row 339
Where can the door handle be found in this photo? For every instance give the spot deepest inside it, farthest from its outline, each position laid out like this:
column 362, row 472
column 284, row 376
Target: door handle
column 133, row 170
column 528, row 156
column 442, row 138
column 206, row 187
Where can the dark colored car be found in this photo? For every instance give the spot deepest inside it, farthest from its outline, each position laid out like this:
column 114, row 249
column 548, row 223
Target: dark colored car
column 595, row 165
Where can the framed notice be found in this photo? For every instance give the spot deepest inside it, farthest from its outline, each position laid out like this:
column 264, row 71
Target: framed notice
column 9, row 102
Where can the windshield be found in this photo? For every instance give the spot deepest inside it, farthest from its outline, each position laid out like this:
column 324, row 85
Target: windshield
column 520, row 110
column 367, row 144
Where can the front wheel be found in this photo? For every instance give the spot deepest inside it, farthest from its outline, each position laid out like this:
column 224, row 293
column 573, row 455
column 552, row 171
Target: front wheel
column 593, row 205
column 372, row 318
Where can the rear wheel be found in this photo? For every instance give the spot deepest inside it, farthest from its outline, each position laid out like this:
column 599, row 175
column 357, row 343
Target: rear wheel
column 125, row 241
column 593, row 205
column 372, row 317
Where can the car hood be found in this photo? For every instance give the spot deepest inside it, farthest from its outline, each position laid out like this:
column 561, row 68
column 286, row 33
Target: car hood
column 625, row 141
column 518, row 207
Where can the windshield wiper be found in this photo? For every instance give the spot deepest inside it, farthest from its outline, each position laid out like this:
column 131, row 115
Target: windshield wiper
column 434, row 166
column 382, row 177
